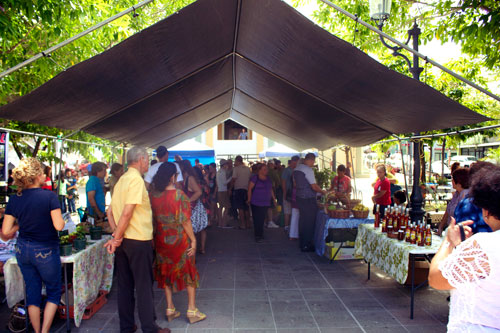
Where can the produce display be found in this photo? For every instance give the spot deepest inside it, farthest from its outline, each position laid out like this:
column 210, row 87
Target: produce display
column 360, row 208
column 337, row 208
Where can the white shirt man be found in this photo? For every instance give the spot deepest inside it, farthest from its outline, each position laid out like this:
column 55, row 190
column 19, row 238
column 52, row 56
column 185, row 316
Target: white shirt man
column 162, row 154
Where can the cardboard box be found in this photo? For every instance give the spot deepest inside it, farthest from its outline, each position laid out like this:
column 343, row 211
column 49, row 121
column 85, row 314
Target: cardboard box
column 345, row 253
column 421, row 272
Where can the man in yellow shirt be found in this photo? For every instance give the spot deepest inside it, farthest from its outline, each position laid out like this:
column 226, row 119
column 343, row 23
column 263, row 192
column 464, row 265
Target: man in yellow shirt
column 133, row 243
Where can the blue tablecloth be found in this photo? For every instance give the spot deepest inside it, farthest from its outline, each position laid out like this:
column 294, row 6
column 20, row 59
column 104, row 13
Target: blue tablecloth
column 323, row 223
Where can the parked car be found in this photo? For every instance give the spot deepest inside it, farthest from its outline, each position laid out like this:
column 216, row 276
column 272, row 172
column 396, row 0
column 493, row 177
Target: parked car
column 436, row 168
column 464, row 160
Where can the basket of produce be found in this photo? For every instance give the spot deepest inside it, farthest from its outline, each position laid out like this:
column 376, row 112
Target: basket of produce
column 353, row 203
column 339, row 213
column 360, row 212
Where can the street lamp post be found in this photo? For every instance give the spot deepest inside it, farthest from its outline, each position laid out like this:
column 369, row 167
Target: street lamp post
column 380, row 10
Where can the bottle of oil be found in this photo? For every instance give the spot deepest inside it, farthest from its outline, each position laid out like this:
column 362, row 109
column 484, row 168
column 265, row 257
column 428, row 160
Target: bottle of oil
column 376, row 224
column 413, row 234
column 428, row 236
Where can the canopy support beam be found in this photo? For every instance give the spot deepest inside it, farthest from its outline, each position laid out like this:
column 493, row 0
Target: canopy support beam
column 51, row 137
column 235, row 43
column 409, row 49
column 70, row 40
column 438, row 135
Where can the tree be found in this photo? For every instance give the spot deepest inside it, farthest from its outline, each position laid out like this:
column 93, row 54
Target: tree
column 28, row 27
column 473, row 24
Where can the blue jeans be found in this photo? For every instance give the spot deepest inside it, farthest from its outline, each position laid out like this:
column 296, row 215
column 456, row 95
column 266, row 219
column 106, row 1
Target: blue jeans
column 71, row 205
column 40, row 262
column 62, row 201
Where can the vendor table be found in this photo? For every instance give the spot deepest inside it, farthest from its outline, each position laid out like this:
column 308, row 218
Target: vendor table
column 393, row 256
column 324, row 222
column 92, row 272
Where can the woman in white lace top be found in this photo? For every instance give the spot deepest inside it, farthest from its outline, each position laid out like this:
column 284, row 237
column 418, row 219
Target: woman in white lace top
column 471, row 269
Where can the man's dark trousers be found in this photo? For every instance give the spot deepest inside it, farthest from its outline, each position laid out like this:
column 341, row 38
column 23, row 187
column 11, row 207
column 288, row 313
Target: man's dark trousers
column 308, row 209
column 134, row 269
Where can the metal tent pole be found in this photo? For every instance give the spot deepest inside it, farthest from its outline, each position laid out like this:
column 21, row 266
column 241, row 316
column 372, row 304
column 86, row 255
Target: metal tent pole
column 404, row 169
column 409, row 49
column 63, row 139
column 52, row 137
column 437, row 135
column 72, row 39
column 353, row 172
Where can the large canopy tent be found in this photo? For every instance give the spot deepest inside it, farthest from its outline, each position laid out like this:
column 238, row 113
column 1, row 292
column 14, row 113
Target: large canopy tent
column 259, row 62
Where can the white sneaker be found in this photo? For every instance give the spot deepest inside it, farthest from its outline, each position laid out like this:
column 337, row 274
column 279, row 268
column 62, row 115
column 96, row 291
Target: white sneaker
column 271, row 224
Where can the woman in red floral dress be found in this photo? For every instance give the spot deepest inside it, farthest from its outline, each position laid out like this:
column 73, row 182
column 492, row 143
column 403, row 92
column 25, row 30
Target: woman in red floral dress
column 175, row 242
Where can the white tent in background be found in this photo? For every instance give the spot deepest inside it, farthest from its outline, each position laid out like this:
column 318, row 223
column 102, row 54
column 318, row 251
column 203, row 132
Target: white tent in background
column 278, row 150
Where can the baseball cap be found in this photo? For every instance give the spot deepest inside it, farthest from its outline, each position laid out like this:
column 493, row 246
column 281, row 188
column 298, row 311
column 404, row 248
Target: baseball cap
column 222, row 162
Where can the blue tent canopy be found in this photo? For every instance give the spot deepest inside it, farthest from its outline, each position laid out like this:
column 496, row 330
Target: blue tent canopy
column 192, row 150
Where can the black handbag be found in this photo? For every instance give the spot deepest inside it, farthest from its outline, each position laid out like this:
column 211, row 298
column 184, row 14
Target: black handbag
column 17, row 319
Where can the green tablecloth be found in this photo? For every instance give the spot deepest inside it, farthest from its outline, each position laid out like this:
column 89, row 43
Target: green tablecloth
column 390, row 255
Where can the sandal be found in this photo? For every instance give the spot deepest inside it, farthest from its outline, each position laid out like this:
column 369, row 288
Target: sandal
column 174, row 314
column 195, row 316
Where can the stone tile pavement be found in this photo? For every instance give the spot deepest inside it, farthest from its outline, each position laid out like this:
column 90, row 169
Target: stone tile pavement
column 273, row 287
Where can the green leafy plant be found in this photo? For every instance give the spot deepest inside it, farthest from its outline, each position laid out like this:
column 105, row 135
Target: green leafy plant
column 442, row 181
column 494, row 154
column 79, row 233
column 64, row 240
column 324, row 177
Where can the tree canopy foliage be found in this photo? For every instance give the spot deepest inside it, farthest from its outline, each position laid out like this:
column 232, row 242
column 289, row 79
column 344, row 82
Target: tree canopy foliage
column 28, row 27
column 472, row 24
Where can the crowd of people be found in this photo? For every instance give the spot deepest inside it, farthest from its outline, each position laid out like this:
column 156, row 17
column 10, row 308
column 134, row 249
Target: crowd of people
column 160, row 211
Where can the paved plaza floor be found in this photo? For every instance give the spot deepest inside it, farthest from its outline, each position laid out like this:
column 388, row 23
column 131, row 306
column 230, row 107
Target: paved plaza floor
column 273, row 287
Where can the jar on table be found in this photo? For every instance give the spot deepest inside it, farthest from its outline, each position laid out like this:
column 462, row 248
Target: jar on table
column 390, row 230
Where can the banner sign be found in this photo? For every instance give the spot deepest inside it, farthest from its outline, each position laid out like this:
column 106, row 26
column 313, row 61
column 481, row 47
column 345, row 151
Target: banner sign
column 4, row 161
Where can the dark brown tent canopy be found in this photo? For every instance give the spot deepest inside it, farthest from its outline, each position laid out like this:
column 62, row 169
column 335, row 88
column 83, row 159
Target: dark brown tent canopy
column 258, row 62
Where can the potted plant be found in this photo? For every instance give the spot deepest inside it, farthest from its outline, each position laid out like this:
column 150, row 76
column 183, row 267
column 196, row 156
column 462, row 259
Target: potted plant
column 80, row 241
column 95, row 233
column 65, row 246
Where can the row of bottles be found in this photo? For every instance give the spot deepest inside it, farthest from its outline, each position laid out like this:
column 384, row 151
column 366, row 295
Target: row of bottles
column 396, row 220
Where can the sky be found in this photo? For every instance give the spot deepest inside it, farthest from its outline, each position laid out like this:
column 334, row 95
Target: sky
column 441, row 53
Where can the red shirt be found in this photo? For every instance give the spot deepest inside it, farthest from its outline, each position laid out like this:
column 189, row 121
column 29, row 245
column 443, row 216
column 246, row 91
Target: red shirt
column 383, row 185
column 341, row 185
column 47, row 185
